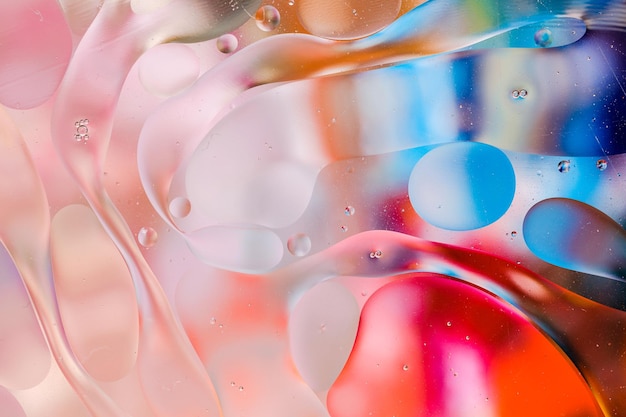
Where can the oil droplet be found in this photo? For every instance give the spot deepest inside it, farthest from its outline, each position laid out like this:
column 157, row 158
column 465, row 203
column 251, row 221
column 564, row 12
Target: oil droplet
column 405, row 368
column 376, row 254
column 564, row 166
column 349, row 211
column 543, row 37
column 227, row 43
column 147, row 237
column 299, row 244
column 267, row 18
column 180, row 207
column 601, row 164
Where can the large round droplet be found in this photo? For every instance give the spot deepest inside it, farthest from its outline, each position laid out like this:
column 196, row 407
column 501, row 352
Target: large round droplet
column 237, row 248
column 462, row 186
column 167, row 69
column 267, row 18
column 299, row 245
column 147, row 237
column 348, row 19
column 575, row 235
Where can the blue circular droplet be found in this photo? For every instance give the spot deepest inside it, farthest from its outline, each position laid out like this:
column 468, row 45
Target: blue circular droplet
column 462, row 186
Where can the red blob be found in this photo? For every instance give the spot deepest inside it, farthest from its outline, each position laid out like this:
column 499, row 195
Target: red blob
column 429, row 345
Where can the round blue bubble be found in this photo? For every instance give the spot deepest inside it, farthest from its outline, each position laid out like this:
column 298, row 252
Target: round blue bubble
column 462, row 185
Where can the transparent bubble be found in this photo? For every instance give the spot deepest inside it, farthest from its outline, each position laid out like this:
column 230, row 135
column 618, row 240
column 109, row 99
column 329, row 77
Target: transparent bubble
column 299, row 245
column 349, row 211
column 602, row 164
column 564, row 166
column 267, row 18
column 513, row 233
column 449, row 324
column 180, row 207
column 344, row 228
column 515, row 93
column 227, row 43
column 147, row 237
column 523, row 93
column 376, row 254
column 543, row 37
column 405, row 368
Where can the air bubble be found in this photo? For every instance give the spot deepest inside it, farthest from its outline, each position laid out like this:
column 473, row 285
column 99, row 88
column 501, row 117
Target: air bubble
column 344, row 228
column 240, row 387
column 376, row 254
column 449, row 324
column 349, row 211
column 543, row 37
column 227, row 43
column 180, row 207
column 267, row 18
column 602, row 164
column 513, row 233
column 564, row 166
column 405, row 368
column 299, row 244
column 147, row 237
column 82, row 131
column 519, row 93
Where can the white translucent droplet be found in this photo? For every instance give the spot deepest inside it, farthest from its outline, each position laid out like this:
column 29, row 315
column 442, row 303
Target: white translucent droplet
column 147, row 237
column 227, row 43
column 299, row 245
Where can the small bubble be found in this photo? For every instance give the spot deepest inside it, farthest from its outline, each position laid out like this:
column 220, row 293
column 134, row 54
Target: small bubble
column 349, row 211
column 539, row 173
column 227, row 43
column 240, row 387
column 180, row 207
column 376, row 254
column 543, row 37
column 291, row 2
column 267, row 18
column 467, row 338
column 322, row 327
column 515, row 93
column 523, row 93
column 147, row 237
column 299, row 244
column 564, row 166
column 82, row 131
column 513, row 233
column 213, row 321
column 602, row 164
column 449, row 324
column 405, row 368
column 233, row 383
column 344, row 228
